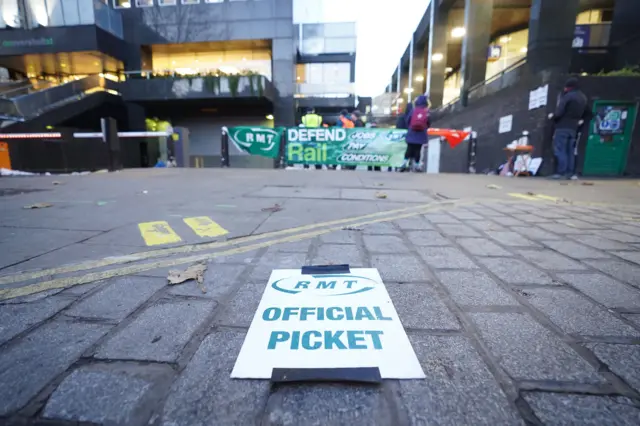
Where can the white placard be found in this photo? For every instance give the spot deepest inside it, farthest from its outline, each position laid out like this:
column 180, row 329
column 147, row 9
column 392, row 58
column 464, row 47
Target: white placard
column 433, row 156
column 506, row 123
column 326, row 321
column 538, row 97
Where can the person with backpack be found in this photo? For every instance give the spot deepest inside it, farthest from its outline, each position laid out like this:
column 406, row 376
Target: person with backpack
column 417, row 122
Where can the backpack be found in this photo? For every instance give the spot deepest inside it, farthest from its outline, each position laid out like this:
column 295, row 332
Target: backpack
column 419, row 119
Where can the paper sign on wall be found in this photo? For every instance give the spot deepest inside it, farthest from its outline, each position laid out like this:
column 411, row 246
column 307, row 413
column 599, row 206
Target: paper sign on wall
column 326, row 322
column 506, row 123
column 538, row 97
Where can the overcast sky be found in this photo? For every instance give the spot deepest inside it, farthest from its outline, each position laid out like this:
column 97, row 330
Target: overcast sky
column 384, row 30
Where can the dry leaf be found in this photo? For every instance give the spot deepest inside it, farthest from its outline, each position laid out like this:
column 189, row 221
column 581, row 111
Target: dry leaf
column 56, row 182
column 588, row 183
column 38, row 206
column 531, row 194
column 381, row 195
column 492, row 186
column 193, row 272
column 275, row 208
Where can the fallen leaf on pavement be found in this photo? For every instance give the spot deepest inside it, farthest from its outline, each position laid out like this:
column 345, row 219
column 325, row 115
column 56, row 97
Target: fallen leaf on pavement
column 381, row 195
column 588, row 183
column 275, row 208
column 531, row 193
column 351, row 228
column 56, row 182
column 38, row 206
column 193, row 272
column 492, row 186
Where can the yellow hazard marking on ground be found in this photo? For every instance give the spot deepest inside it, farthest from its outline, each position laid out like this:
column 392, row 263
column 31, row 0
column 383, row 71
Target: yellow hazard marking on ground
column 135, row 257
column 204, row 227
column 547, row 197
column 11, row 293
column 157, row 233
column 524, row 196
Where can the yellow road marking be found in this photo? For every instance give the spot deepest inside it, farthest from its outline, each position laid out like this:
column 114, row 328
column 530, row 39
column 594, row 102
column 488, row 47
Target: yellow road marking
column 114, row 260
column 547, row 197
column 204, row 227
column 11, row 293
column 524, row 196
column 157, row 233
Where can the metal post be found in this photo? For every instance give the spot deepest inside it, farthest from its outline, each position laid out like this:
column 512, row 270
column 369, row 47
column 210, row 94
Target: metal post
column 111, row 139
column 399, row 77
column 473, row 146
column 224, row 148
column 432, row 24
column 410, row 84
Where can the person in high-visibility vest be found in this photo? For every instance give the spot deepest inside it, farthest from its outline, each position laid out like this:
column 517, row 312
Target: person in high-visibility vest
column 344, row 121
column 311, row 119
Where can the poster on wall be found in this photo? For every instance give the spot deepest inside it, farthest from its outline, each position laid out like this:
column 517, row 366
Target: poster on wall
column 506, row 124
column 581, row 36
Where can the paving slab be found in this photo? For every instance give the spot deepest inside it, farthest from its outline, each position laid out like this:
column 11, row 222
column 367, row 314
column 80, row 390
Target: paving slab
column 576, row 250
column 526, row 350
column 548, row 259
column 465, row 214
column 474, row 288
column 428, row 238
column 117, row 298
column 339, row 237
column 575, row 314
column 16, row 318
column 623, row 360
column 535, row 233
column 483, row 225
column 159, row 333
column 420, row 307
column 459, row 390
column 28, row 366
column 239, row 310
column 511, row 239
column 515, row 271
column 458, row 230
column 400, row 268
column 109, row 396
column 631, row 256
column 439, row 218
column 603, row 289
column 337, row 254
column 562, row 409
column 600, row 243
column 219, row 281
column 380, row 228
column 446, row 258
column 482, row 247
column 619, row 269
column 385, row 244
column 218, row 400
column 417, row 223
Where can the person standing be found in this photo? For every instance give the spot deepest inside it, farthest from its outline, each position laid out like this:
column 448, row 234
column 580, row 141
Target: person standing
column 417, row 122
column 571, row 112
column 344, row 120
column 311, row 119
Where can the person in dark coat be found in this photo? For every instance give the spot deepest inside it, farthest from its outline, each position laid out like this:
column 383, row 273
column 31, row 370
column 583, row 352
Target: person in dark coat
column 571, row 112
column 415, row 139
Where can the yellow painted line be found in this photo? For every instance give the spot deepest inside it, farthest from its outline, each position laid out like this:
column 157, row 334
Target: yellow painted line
column 114, row 260
column 11, row 293
column 524, row 196
column 204, row 227
column 547, row 197
column 158, row 233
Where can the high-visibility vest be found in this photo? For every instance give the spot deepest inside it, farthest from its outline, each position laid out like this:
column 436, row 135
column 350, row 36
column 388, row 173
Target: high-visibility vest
column 312, row 120
column 346, row 123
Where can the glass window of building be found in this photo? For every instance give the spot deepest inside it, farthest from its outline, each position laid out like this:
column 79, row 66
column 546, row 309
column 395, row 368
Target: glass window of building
column 144, row 3
column 190, row 1
column 340, row 29
column 511, row 47
column 121, row 4
column 167, row 2
column 213, row 1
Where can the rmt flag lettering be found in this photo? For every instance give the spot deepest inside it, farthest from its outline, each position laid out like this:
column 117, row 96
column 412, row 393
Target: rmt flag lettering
column 326, row 321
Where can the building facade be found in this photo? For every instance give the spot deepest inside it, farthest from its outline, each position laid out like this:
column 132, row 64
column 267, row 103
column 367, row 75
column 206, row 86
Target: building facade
column 487, row 62
column 202, row 64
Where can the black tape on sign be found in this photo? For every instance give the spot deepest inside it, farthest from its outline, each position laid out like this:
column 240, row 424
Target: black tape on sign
column 355, row 375
column 325, row 269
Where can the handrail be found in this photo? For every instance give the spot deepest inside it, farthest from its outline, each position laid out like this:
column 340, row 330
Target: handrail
column 30, row 105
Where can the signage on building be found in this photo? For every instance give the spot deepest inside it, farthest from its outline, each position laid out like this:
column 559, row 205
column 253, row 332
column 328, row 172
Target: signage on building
column 538, row 97
column 581, row 36
column 506, row 124
column 494, row 53
column 32, row 42
column 326, row 321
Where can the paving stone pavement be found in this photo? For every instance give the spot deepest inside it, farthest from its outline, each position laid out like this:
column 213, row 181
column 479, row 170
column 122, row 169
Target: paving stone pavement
column 527, row 313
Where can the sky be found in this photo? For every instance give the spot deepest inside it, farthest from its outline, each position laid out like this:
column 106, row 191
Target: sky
column 384, row 31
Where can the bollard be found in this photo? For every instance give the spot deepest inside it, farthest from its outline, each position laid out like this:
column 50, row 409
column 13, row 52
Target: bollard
column 111, row 139
column 473, row 145
column 224, row 148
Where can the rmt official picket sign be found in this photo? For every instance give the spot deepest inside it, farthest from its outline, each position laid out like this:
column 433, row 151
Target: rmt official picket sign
column 326, row 321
